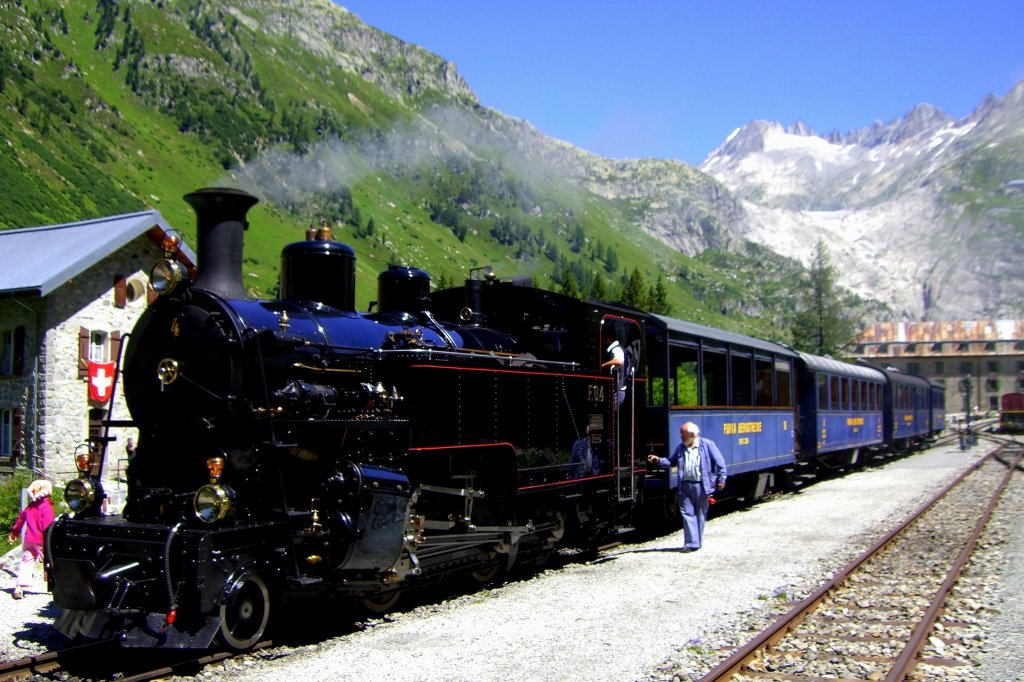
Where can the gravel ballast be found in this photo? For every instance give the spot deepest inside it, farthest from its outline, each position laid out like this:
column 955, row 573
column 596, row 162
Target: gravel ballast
column 641, row 612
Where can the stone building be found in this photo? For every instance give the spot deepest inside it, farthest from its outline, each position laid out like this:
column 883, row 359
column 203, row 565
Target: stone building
column 991, row 352
column 68, row 295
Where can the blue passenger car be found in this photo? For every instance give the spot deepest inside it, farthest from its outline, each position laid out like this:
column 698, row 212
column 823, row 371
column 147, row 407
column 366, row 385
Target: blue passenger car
column 840, row 408
column 737, row 389
column 905, row 402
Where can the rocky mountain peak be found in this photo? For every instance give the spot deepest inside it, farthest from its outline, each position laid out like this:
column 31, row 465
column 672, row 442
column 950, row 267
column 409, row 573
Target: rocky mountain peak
column 802, row 129
column 924, row 118
column 748, row 139
column 893, row 201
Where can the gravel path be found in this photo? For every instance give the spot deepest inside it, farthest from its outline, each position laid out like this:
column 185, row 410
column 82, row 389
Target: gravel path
column 639, row 613
column 1003, row 657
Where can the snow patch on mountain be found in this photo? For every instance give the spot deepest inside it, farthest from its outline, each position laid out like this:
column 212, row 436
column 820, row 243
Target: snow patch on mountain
column 905, row 208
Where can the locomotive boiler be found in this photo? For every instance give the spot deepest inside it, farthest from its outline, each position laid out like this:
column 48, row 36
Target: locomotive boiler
column 298, row 446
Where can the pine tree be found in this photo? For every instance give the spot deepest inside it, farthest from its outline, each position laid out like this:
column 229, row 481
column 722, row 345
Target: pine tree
column 599, row 291
column 611, row 262
column 821, row 325
column 657, row 299
column 443, row 282
column 635, row 292
column 567, row 283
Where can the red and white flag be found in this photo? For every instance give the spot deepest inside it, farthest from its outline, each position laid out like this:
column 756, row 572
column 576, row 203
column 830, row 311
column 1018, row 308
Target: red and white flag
column 101, row 381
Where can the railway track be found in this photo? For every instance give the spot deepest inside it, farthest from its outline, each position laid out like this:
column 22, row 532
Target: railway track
column 876, row 618
column 92, row 661
column 51, row 662
column 85, row 662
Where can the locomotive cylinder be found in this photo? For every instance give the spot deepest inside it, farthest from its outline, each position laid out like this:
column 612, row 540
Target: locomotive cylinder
column 220, row 224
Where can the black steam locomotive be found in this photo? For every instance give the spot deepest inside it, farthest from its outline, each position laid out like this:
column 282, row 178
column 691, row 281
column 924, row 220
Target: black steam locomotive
column 299, row 446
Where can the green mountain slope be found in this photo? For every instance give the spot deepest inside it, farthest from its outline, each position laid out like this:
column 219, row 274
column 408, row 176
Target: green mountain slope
column 111, row 107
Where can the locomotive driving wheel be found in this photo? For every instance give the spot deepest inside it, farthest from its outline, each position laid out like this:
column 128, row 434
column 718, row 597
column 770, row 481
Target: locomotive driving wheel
column 381, row 603
column 486, row 573
column 245, row 613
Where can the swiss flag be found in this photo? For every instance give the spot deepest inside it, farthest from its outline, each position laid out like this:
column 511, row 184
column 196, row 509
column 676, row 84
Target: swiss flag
column 101, row 381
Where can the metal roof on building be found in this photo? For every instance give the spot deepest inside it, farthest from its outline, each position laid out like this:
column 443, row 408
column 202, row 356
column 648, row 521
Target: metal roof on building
column 731, row 338
column 936, row 332
column 37, row 260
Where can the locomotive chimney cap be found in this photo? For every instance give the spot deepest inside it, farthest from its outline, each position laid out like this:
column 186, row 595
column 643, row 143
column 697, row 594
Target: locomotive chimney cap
column 220, row 223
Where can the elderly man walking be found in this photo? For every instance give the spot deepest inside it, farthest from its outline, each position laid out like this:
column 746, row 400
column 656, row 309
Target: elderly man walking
column 701, row 471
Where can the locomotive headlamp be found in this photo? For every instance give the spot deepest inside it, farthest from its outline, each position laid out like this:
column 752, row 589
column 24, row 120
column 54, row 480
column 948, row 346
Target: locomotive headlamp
column 213, row 502
column 165, row 275
column 82, row 494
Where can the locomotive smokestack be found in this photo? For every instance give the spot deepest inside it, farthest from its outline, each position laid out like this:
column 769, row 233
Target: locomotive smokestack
column 220, row 223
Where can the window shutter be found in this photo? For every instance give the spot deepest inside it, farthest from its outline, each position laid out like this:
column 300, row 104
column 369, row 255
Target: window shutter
column 17, row 446
column 19, row 351
column 83, row 353
column 120, row 291
column 115, row 345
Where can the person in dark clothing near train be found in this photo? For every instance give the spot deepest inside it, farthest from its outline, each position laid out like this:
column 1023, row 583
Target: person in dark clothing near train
column 701, row 471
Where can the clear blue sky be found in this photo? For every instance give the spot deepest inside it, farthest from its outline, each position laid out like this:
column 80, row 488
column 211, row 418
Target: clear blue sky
column 672, row 78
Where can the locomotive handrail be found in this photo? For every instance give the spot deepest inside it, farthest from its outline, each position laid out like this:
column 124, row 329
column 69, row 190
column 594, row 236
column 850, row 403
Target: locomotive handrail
column 342, row 370
column 507, row 358
column 104, row 440
column 475, row 353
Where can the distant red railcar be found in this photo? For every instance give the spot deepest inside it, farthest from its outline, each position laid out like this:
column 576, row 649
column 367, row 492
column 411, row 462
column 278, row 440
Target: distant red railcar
column 1011, row 415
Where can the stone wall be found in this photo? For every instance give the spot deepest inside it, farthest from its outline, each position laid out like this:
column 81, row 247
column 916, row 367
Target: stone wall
column 84, row 301
column 20, row 391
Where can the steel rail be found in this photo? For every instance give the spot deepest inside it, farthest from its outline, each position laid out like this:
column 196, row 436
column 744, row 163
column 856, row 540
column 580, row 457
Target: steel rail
column 186, row 667
column 50, row 661
column 907, row 659
column 795, row 616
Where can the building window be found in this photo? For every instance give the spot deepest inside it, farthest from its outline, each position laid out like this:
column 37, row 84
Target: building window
column 913, row 368
column 6, row 433
column 937, row 348
column 991, row 346
column 940, row 367
column 991, row 384
column 993, row 403
column 99, row 349
column 911, row 347
column 993, row 366
column 7, row 356
column 965, row 367
column 963, row 347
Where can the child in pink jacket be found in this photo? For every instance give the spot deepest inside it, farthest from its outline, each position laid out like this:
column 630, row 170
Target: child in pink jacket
column 35, row 518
